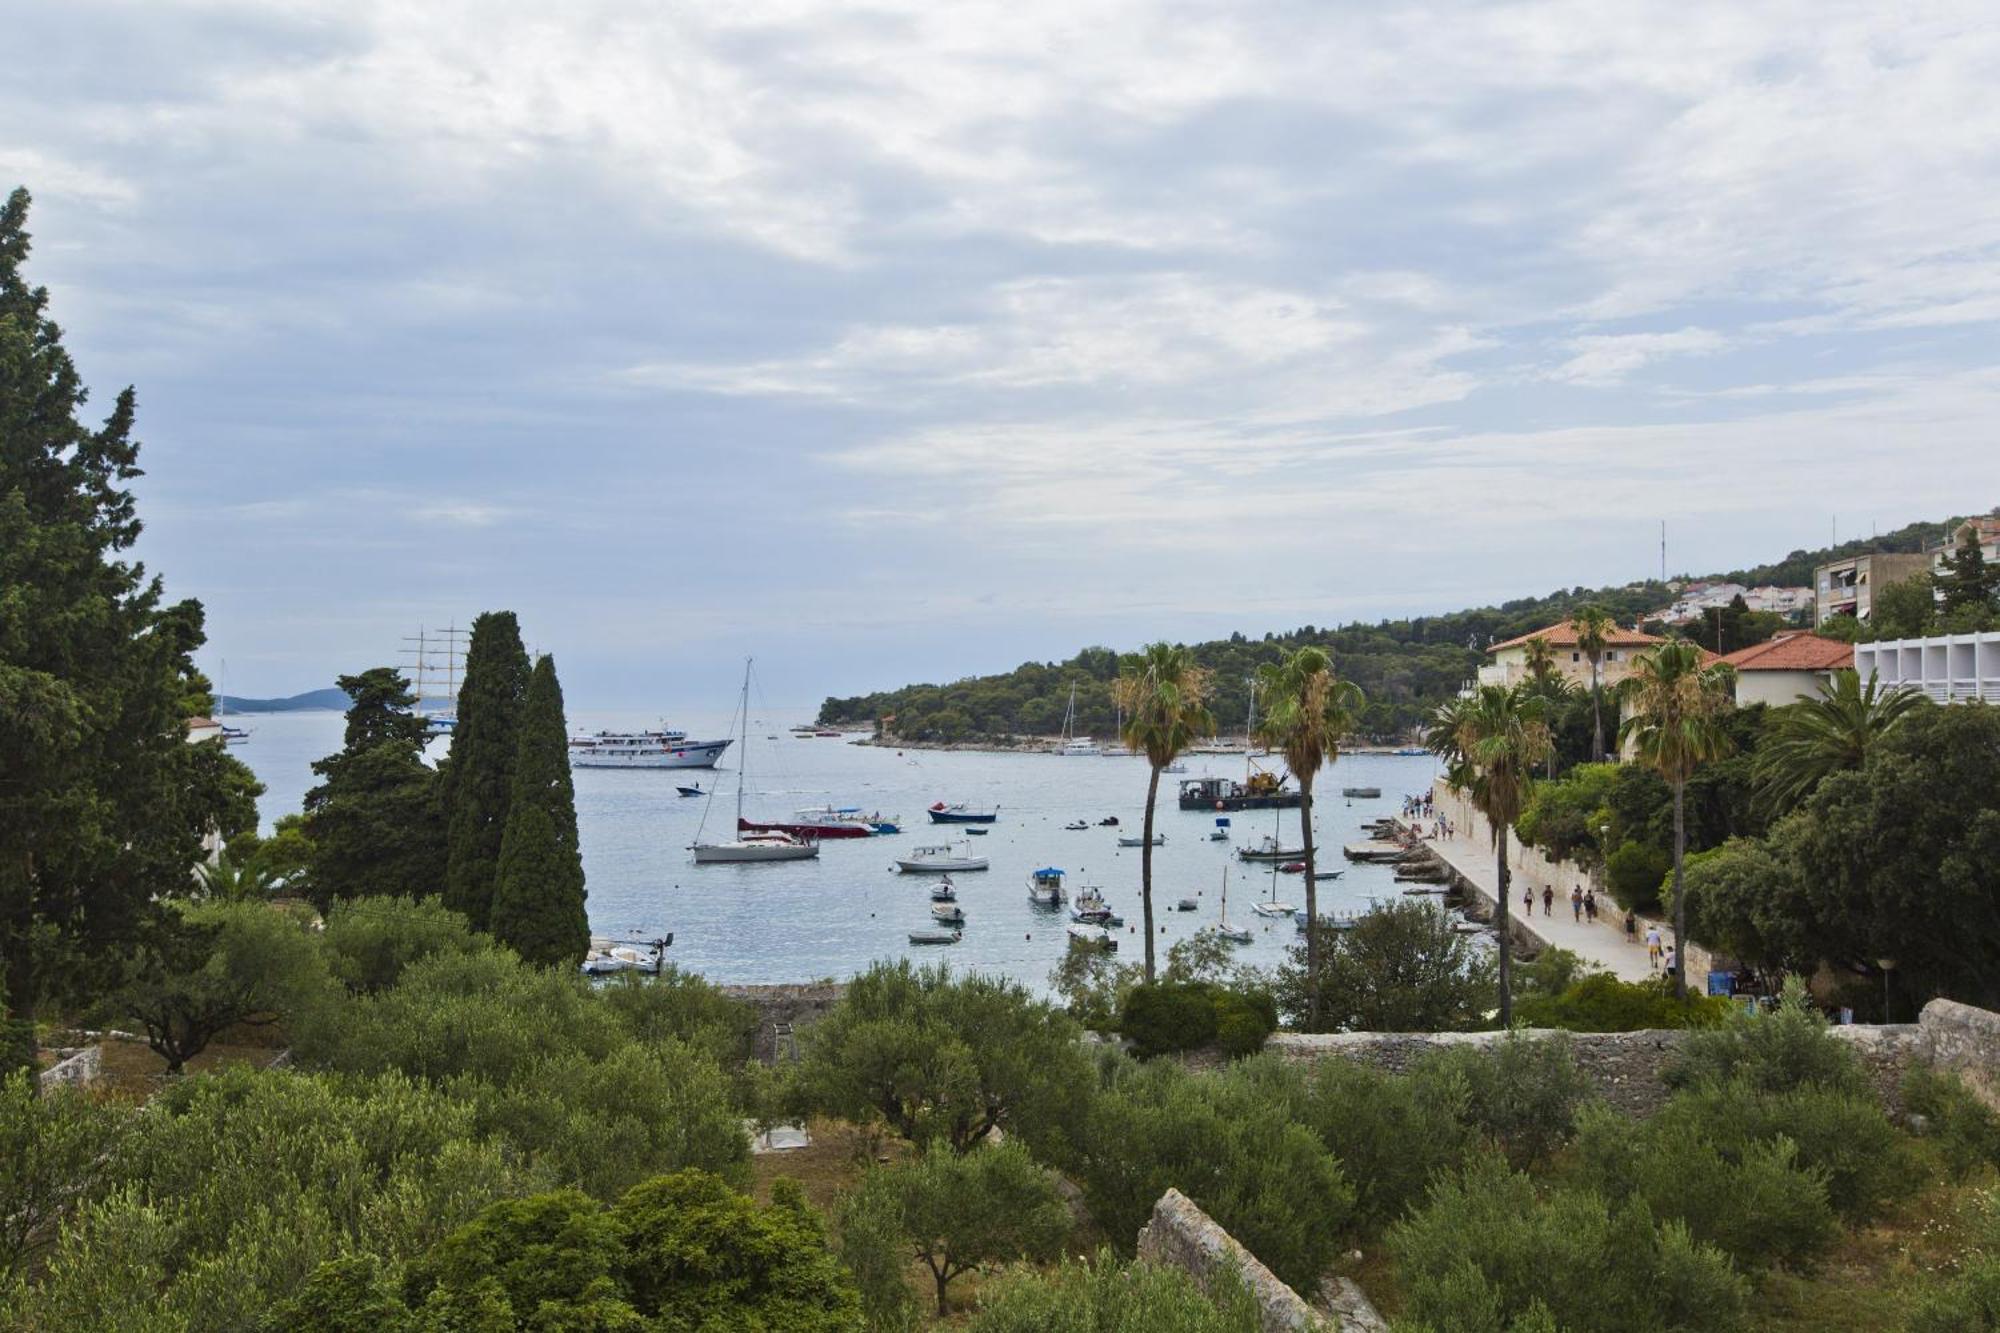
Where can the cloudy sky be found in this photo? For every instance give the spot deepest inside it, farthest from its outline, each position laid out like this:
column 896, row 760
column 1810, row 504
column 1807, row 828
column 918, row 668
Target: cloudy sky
column 904, row 340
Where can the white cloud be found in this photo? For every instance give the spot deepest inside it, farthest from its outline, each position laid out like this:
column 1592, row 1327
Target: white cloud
column 1608, row 358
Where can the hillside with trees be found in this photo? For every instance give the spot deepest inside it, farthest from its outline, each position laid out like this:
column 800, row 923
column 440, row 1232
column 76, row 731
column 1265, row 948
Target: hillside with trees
column 1405, row 667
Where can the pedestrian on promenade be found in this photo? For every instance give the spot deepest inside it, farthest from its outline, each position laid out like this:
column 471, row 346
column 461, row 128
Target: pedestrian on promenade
column 1576, row 904
column 1548, row 900
column 1653, row 946
column 1631, row 927
column 1673, row 959
column 1590, row 906
column 1528, row 900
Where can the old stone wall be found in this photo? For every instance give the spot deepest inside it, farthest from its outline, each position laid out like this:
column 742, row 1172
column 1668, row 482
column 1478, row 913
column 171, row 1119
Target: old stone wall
column 778, row 1007
column 1966, row 1041
column 1625, row 1067
column 79, row 1070
column 1184, row 1236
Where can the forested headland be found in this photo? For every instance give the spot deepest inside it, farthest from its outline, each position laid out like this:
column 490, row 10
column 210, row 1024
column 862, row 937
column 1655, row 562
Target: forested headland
column 1405, row 667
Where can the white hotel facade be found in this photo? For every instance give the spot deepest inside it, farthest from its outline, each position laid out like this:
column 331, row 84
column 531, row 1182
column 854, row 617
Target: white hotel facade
column 1950, row 668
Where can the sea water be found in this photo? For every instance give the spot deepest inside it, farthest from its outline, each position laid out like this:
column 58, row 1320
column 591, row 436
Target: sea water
column 831, row 917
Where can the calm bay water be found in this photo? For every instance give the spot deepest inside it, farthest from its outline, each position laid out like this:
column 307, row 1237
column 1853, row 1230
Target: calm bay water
column 797, row 921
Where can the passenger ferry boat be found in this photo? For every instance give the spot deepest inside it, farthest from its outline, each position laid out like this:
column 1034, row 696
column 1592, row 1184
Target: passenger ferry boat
column 643, row 749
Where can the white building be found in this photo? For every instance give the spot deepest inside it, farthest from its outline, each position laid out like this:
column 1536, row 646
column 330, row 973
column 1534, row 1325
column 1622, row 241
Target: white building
column 1787, row 668
column 1950, row 668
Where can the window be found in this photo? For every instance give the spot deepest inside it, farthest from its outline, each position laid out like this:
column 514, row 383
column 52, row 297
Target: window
column 1576, row 657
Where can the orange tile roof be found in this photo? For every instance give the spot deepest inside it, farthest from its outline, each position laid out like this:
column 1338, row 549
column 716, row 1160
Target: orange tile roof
column 1564, row 636
column 1794, row 652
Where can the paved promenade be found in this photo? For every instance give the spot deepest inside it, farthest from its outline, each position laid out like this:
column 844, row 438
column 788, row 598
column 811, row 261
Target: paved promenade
column 1470, row 852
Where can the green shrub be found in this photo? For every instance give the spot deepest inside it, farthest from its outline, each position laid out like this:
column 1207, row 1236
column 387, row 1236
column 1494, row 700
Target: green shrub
column 1390, row 1133
column 1600, row 1002
column 17, row 1045
column 1755, row 1202
column 1487, row 1251
column 1243, row 1019
column 1789, row 1047
column 1229, row 1141
column 1842, row 1136
column 369, row 941
column 1161, row 1017
column 1098, row 1296
column 52, row 1156
column 1963, row 1128
column 1523, row 1092
column 1633, row 874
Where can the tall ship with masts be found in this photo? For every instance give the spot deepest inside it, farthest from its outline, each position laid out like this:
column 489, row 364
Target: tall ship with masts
column 435, row 663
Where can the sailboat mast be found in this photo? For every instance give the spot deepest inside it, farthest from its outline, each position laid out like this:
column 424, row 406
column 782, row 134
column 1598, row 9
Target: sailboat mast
column 743, row 759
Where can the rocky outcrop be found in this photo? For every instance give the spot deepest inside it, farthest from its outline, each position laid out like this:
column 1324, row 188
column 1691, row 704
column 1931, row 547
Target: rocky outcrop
column 1184, row 1236
column 1966, row 1041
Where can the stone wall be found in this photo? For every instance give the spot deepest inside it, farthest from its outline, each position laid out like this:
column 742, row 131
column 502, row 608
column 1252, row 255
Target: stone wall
column 1184, row 1236
column 1966, row 1041
column 778, row 1006
column 79, row 1070
column 1625, row 1067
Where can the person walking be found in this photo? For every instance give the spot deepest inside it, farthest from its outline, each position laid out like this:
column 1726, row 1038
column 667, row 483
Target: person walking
column 1528, row 900
column 1548, row 900
column 1672, row 959
column 1653, row 947
column 1590, row 906
column 1631, row 927
column 1576, row 904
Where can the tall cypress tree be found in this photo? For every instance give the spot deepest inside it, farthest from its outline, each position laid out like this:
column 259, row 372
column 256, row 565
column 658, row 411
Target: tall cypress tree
column 103, row 803
column 538, row 894
column 478, row 778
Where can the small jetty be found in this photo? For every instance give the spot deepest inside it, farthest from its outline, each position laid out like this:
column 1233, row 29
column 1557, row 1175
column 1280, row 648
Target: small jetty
column 1375, row 851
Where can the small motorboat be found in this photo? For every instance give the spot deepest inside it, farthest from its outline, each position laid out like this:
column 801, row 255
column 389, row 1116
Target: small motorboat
column 690, row 791
column 1077, row 825
column 1109, row 821
column 1093, row 937
column 1221, row 831
column 961, row 813
column 935, row 936
column 942, row 860
column 1186, row 905
column 973, row 831
column 1361, row 793
column 943, row 891
column 1292, row 868
column 1271, row 907
column 1045, row 887
column 1269, row 850
column 1159, row 840
column 1090, row 909
column 1319, row 875
column 948, row 914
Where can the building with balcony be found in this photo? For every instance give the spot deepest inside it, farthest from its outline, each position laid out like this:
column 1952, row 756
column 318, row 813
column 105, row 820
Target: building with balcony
column 1986, row 527
column 1848, row 587
column 1950, row 668
column 1507, row 663
column 1787, row 668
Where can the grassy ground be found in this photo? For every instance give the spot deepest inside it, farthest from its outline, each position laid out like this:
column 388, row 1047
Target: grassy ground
column 131, row 1070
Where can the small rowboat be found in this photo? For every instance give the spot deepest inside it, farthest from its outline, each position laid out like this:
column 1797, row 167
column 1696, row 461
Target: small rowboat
column 934, row 936
column 690, row 791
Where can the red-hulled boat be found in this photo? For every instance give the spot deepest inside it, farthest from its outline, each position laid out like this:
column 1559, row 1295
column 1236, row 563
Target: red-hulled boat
column 813, row 830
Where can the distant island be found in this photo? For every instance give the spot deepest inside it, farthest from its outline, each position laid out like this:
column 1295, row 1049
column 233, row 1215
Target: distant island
column 330, row 697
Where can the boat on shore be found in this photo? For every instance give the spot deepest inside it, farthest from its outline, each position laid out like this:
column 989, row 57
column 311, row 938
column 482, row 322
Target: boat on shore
column 961, row 813
column 644, row 749
column 939, row 860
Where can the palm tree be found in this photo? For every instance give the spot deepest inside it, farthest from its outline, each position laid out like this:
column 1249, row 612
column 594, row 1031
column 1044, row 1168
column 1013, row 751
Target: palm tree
column 1490, row 742
column 1593, row 634
column 228, row 878
column 1541, row 659
column 1545, row 682
column 1164, row 696
column 1823, row 735
column 1676, row 726
column 1307, row 714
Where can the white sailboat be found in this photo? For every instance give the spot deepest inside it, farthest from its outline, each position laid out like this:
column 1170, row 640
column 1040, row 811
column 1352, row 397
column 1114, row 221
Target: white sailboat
column 748, row 848
column 1234, row 934
column 1072, row 744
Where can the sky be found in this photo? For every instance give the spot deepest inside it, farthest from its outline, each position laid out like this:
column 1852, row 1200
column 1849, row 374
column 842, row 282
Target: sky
column 905, row 341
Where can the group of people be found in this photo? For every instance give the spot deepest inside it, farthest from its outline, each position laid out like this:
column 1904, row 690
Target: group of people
column 1422, row 813
column 1582, row 903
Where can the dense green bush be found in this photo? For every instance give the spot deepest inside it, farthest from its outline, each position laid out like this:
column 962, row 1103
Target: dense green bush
column 1392, row 1134
column 943, row 1058
column 1752, row 1199
column 1600, row 1002
column 17, row 1045
column 1488, row 1252
column 1633, row 874
column 1563, row 816
column 1775, row 1051
column 1229, row 1141
column 1844, row 1136
column 1964, row 1129
column 53, row 1149
column 1401, row 968
column 1523, row 1093
column 1098, row 1296
column 1243, row 1019
column 1161, row 1017
column 369, row 941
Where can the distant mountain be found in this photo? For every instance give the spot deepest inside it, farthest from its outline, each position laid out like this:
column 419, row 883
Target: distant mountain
column 330, row 697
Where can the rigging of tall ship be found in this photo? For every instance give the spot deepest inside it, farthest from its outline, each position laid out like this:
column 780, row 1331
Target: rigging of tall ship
column 644, row 749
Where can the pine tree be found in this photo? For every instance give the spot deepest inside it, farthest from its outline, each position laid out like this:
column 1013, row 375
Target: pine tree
column 478, row 779
column 374, row 821
column 538, row 894
column 103, row 803
column 1969, row 583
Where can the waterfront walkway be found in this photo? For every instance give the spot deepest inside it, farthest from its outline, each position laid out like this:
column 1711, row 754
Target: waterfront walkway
column 1602, row 945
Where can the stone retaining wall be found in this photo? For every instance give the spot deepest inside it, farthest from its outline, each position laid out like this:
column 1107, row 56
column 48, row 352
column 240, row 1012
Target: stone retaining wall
column 1966, row 1041
column 1184, row 1236
column 1625, row 1067
column 796, row 1006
